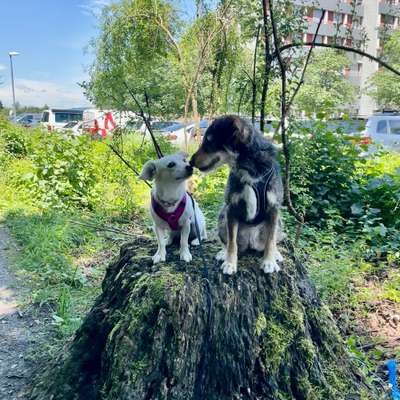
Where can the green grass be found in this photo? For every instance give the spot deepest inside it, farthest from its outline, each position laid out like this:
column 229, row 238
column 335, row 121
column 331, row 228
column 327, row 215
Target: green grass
column 63, row 262
column 59, row 260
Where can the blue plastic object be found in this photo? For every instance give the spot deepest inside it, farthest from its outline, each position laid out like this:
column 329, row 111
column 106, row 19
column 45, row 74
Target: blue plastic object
column 392, row 368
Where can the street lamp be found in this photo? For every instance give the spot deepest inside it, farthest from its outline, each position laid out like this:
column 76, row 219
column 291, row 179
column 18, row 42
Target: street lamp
column 12, row 54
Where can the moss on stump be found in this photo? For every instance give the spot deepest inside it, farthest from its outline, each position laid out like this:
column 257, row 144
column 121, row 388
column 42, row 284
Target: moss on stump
column 167, row 332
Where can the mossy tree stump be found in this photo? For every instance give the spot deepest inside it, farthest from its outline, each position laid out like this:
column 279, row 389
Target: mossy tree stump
column 167, row 332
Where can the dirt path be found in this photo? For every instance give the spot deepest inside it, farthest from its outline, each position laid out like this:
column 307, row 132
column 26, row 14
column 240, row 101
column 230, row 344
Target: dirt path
column 20, row 331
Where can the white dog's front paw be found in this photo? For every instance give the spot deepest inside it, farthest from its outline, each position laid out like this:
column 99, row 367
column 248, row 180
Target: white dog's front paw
column 185, row 255
column 269, row 266
column 221, row 255
column 278, row 256
column 229, row 268
column 158, row 257
column 195, row 242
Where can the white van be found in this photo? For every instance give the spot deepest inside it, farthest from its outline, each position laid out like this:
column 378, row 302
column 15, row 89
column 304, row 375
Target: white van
column 384, row 129
column 57, row 118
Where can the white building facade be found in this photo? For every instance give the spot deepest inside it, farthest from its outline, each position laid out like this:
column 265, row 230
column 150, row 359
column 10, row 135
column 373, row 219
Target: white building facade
column 354, row 23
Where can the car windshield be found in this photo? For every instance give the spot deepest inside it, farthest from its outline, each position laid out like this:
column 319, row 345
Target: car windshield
column 173, row 127
column 45, row 117
column 67, row 117
column 161, row 125
column 134, row 124
column 395, row 126
column 381, row 127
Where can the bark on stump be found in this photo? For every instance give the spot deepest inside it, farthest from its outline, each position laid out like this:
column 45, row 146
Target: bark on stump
column 168, row 332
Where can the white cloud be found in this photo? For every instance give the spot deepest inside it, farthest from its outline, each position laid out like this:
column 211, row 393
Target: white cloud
column 38, row 93
column 94, row 7
column 2, row 67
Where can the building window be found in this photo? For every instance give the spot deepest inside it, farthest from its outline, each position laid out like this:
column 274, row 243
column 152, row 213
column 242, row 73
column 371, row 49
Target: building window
column 349, row 20
column 317, row 14
column 330, row 17
column 339, row 18
column 309, row 13
column 348, row 42
column 309, row 37
column 386, row 19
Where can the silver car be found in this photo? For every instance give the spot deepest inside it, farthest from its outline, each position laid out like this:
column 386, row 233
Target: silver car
column 384, row 129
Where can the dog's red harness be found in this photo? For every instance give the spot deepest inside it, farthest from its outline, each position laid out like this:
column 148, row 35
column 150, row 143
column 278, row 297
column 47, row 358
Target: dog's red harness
column 171, row 218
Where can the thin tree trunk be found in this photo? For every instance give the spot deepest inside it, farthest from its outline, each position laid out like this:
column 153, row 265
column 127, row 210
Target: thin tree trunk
column 254, row 79
column 267, row 65
column 196, row 116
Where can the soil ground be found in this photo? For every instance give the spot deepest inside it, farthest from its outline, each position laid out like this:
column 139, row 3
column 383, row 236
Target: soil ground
column 21, row 330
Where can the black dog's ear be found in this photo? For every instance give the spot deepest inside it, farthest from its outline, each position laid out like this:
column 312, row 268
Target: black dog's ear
column 241, row 131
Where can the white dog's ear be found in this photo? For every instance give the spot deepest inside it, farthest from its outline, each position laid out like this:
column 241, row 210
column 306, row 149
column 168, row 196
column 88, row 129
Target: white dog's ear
column 148, row 171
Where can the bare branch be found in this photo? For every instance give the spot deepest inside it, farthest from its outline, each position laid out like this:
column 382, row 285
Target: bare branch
column 299, row 217
column 307, row 61
column 303, row 73
column 243, row 88
column 267, row 65
column 145, row 119
column 339, row 47
column 254, row 81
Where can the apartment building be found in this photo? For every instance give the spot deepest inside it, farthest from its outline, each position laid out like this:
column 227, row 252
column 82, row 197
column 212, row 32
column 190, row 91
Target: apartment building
column 354, row 23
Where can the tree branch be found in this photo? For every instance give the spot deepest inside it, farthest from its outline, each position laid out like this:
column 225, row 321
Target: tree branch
column 254, row 81
column 267, row 65
column 299, row 217
column 145, row 119
column 339, row 47
column 303, row 73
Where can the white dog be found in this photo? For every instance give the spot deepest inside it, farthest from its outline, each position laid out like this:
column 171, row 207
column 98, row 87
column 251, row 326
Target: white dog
column 171, row 206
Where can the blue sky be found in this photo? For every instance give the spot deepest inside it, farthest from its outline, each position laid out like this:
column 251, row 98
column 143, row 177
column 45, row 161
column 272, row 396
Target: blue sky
column 51, row 36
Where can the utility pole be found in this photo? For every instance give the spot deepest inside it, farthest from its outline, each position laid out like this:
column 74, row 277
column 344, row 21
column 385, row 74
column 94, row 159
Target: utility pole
column 12, row 54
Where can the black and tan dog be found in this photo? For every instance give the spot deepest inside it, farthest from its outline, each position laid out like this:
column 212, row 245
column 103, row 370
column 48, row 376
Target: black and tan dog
column 250, row 217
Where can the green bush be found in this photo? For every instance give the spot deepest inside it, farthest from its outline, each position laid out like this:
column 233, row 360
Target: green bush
column 324, row 172
column 338, row 189
column 13, row 141
column 63, row 173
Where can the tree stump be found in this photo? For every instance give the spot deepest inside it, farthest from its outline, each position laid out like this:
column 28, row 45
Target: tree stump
column 171, row 332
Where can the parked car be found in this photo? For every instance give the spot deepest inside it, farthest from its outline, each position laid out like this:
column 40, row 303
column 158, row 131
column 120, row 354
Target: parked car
column 175, row 132
column 56, row 118
column 75, row 127
column 383, row 129
column 28, row 120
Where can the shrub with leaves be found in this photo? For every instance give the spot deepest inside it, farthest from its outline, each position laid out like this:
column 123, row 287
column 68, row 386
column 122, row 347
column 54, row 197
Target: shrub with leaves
column 63, row 173
column 339, row 189
column 324, row 173
column 13, row 140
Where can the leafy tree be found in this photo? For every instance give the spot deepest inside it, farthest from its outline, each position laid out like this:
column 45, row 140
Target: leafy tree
column 325, row 87
column 146, row 49
column 384, row 85
column 133, row 57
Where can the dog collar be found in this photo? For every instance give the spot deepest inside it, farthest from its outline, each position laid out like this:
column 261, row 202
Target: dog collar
column 171, row 218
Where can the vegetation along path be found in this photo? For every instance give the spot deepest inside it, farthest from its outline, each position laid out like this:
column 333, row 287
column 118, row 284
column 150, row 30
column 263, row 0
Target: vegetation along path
column 20, row 331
